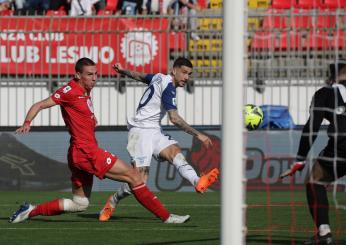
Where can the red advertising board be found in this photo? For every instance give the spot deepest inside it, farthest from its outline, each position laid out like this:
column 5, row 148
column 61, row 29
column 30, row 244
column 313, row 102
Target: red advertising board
column 53, row 45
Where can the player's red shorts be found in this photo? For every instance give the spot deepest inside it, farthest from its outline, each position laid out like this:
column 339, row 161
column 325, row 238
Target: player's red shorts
column 86, row 161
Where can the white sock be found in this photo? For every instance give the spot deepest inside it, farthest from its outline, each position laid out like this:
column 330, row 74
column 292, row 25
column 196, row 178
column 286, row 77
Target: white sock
column 122, row 192
column 324, row 229
column 185, row 169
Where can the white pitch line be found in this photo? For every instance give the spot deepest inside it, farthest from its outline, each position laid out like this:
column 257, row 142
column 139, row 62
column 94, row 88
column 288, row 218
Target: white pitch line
column 133, row 205
column 192, row 229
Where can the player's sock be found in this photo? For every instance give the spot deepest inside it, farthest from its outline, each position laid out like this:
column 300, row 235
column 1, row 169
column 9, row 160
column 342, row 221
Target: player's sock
column 145, row 197
column 47, row 209
column 185, row 169
column 324, row 229
column 318, row 203
column 121, row 193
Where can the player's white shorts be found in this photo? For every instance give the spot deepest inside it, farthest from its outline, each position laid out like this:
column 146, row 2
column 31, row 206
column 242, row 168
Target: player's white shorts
column 143, row 143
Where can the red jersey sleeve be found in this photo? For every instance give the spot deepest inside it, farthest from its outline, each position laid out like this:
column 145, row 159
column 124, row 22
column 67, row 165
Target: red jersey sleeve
column 63, row 96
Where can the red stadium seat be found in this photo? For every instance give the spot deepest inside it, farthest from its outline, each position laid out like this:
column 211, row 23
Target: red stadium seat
column 340, row 39
column 111, row 5
column 309, row 4
column 290, row 40
column 275, row 19
column 326, row 19
column 301, row 19
column 56, row 13
column 333, row 4
column 262, row 41
column 283, row 4
column 319, row 41
column 203, row 4
column 177, row 41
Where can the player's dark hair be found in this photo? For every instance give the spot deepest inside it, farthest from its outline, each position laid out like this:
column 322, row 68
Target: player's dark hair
column 83, row 62
column 181, row 61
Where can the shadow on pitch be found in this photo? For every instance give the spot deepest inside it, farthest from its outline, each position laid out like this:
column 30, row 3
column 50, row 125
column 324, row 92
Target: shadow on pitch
column 282, row 240
column 95, row 216
column 274, row 240
column 196, row 241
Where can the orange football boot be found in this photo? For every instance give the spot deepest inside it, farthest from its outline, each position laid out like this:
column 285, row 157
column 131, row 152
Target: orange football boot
column 107, row 211
column 207, row 180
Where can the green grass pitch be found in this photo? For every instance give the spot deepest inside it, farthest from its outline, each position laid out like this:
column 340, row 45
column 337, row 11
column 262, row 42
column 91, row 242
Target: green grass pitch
column 274, row 218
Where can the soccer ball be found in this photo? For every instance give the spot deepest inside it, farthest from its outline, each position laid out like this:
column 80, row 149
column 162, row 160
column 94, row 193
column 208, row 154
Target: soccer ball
column 253, row 116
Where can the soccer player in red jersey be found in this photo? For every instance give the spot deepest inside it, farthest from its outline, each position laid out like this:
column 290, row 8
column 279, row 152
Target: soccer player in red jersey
column 85, row 158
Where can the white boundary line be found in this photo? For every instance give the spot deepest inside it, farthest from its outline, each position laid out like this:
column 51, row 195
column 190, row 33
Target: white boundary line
column 192, row 229
column 131, row 205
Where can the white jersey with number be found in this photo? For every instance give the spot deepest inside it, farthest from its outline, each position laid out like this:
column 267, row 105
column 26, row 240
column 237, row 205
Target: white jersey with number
column 158, row 98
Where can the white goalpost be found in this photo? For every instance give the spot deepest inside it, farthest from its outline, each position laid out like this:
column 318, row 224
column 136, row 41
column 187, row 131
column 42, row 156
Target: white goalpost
column 232, row 213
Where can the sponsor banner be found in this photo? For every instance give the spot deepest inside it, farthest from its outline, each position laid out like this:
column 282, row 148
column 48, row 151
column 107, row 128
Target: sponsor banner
column 21, row 168
column 36, row 162
column 53, row 45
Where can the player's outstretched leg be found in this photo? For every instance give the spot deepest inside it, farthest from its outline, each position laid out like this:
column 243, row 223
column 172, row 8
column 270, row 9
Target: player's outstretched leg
column 27, row 211
column 22, row 213
column 207, row 180
column 51, row 208
column 202, row 183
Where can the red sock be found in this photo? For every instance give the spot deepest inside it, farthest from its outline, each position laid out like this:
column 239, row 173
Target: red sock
column 145, row 197
column 47, row 209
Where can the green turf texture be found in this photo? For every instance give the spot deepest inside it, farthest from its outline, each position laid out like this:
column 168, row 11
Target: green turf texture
column 274, row 218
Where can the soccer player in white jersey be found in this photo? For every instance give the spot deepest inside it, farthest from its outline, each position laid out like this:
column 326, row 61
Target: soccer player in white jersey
column 145, row 137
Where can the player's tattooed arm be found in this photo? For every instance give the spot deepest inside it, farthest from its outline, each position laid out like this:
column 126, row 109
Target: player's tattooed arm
column 178, row 121
column 132, row 74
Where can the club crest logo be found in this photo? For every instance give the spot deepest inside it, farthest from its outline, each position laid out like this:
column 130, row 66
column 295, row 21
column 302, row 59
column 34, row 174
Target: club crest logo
column 139, row 47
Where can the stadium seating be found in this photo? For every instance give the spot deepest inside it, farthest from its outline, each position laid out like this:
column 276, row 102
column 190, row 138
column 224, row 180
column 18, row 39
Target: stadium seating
column 283, row 4
column 207, row 67
column 215, row 4
column 210, row 24
column 253, row 23
column 301, row 19
column 319, row 40
column 290, row 40
column 339, row 38
column 333, row 4
column 258, row 4
column 263, row 41
column 326, row 19
column 177, row 41
column 309, row 4
column 275, row 19
column 203, row 4
column 205, row 45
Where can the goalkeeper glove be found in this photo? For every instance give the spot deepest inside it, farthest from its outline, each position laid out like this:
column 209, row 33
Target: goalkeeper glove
column 297, row 166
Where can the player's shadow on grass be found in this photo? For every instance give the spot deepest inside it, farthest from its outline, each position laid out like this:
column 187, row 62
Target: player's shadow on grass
column 195, row 241
column 95, row 216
